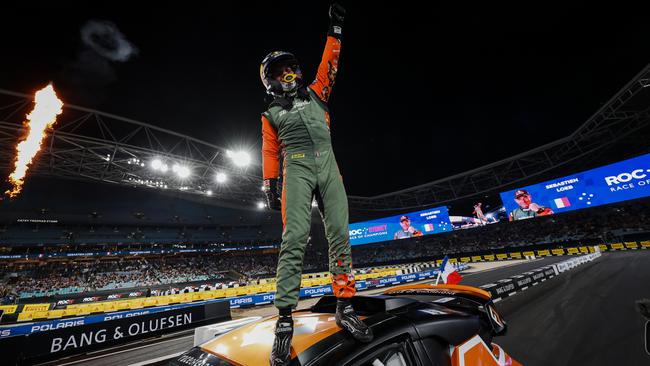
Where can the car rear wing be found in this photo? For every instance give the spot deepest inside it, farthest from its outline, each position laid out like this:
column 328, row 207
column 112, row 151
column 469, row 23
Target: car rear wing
column 477, row 295
column 469, row 292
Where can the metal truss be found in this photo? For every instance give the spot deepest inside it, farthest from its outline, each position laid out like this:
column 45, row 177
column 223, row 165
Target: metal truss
column 624, row 116
column 91, row 145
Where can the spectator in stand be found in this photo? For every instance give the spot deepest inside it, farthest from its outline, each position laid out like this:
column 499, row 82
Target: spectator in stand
column 47, row 277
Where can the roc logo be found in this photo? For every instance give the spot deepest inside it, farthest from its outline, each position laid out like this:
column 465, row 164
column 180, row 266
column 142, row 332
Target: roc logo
column 626, row 177
column 356, row 232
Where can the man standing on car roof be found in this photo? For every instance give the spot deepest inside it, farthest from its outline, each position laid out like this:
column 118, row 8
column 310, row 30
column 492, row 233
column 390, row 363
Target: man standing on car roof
column 297, row 126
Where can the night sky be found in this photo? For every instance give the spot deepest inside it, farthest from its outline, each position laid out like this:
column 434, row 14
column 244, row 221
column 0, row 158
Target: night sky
column 423, row 91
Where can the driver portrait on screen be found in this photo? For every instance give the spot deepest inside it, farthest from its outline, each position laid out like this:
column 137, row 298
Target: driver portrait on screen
column 407, row 231
column 527, row 208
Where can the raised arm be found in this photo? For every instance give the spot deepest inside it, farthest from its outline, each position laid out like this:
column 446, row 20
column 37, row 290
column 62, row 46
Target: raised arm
column 329, row 64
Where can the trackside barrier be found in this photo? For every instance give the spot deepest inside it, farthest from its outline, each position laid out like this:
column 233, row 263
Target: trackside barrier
column 93, row 334
column 510, row 286
column 235, row 302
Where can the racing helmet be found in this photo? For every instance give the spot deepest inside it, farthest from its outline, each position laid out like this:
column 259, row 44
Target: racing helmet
column 272, row 65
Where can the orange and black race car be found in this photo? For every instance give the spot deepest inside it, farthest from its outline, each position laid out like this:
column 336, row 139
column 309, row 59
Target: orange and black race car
column 446, row 325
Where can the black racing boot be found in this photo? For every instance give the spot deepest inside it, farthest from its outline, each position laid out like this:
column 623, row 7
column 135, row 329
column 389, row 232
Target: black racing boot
column 347, row 319
column 281, row 352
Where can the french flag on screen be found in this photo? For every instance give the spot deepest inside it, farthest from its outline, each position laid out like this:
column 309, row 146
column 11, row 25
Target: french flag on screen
column 562, row 202
column 428, row 227
column 449, row 273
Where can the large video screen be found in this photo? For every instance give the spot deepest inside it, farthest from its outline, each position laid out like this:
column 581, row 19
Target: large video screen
column 484, row 210
column 426, row 222
column 625, row 180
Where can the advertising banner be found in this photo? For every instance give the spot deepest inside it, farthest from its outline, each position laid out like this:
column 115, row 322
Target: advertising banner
column 87, row 337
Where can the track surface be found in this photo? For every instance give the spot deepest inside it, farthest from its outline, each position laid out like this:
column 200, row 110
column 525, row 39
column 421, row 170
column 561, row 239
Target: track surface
column 585, row 316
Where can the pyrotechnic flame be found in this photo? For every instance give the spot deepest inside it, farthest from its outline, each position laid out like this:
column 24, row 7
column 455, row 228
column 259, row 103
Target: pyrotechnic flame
column 46, row 107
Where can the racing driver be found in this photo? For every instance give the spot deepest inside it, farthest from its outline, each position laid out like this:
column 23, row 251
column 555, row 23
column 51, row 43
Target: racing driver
column 296, row 127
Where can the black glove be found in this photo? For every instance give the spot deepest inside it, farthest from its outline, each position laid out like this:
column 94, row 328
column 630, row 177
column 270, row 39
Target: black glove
column 273, row 190
column 337, row 13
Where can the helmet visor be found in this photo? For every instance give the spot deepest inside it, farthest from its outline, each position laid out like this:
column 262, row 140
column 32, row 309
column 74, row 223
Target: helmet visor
column 277, row 68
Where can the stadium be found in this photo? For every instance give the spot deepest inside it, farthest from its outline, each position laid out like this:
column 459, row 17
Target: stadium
column 137, row 242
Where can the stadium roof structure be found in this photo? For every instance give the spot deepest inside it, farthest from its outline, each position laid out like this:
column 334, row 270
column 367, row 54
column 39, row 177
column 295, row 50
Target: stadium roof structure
column 623, row 121
column 87, row 144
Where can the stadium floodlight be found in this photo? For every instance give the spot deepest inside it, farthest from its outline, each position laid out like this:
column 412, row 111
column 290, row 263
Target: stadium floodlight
column 261, row 205
column 239, row 158
column 221, row 177
column 164, row 168
column 156, row 164
column 181, row 171
column 208, row 192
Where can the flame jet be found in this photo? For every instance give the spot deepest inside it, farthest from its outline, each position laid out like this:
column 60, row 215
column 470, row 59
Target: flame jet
column 47, row 106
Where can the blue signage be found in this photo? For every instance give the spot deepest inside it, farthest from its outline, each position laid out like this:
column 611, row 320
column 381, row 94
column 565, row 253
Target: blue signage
column 426, row 222
column 625, row 180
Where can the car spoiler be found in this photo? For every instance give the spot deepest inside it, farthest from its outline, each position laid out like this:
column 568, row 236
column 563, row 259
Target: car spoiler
column 475, row 294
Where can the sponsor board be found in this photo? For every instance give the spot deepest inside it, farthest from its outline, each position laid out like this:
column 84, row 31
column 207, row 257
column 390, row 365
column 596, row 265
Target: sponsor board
column 36, row 307
column 617, row 246
column 30, row 328
column 64, row 341
column 631, row 245
column 8, row 309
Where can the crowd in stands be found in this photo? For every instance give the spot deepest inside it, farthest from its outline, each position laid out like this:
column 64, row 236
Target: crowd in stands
column 599, row 225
